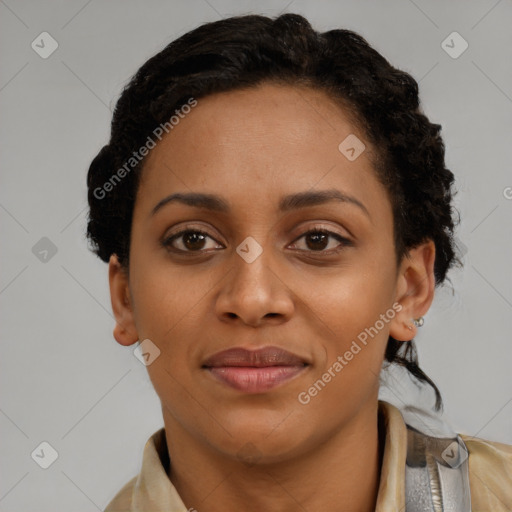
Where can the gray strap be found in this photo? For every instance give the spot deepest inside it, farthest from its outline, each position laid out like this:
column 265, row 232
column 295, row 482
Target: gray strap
column 436, row 474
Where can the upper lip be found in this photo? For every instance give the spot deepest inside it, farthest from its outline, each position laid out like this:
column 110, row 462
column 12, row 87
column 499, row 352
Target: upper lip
column 260, row 358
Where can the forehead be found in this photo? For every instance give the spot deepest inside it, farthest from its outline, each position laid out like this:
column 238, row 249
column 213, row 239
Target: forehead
column 257, row 142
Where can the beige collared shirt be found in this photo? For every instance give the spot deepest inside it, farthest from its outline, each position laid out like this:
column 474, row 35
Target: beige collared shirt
column 490, row 474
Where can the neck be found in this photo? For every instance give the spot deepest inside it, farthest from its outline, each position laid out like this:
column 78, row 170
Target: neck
column 342, row 473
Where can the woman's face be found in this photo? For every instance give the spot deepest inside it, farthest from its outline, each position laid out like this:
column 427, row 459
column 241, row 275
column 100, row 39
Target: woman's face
column 259, row 274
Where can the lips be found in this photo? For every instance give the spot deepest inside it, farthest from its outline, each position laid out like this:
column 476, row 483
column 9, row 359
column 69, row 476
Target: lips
column 267, row 356
column 254, row 371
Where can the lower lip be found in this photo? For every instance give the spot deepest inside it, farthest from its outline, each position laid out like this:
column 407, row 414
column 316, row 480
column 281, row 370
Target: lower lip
column 255, row 380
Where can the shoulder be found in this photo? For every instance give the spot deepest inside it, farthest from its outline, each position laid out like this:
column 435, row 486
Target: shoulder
column 151, row 480
column 122, row 501
column 490, row 474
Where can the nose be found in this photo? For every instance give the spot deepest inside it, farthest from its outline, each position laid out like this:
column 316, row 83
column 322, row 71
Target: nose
column 255, row 293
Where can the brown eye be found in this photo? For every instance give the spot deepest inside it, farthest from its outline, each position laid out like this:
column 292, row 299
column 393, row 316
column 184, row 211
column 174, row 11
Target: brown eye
column 190, row 240
column 318, row 240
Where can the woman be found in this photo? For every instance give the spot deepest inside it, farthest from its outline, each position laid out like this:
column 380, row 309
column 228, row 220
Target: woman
column 276, row 213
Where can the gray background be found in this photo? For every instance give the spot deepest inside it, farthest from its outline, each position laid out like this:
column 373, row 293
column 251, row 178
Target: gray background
column 64, row 379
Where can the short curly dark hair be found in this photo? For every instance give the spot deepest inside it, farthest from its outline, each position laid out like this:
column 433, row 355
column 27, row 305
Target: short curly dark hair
column 245, row 51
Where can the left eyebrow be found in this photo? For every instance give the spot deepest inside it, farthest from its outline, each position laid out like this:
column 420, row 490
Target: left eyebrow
column 305, row 199
column 290, row 202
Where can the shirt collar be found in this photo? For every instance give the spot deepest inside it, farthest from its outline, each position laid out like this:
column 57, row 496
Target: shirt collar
column 153, row 490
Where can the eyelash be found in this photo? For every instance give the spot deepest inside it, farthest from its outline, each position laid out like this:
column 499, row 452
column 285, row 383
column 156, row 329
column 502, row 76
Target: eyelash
column 167, row 242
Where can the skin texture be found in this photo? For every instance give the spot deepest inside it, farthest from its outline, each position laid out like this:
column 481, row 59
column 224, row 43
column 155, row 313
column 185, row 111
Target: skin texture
column 235, row 451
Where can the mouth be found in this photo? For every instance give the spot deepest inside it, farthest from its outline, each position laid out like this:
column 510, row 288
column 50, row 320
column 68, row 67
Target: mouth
column 255, row 371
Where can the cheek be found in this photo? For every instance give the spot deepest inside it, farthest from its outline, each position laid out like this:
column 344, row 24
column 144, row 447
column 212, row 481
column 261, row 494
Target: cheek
column 165, row 297
column 353, row 337
column 353, row 311
column 170, row 311
column 351, row 299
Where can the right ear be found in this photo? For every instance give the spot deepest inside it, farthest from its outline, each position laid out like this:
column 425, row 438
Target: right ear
column 125, row 331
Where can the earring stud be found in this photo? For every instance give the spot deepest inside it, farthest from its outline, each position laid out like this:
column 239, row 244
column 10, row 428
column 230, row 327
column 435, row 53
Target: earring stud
column 418, row 322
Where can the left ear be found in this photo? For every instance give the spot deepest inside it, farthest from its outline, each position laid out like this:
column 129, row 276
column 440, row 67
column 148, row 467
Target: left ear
column 414, row 290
